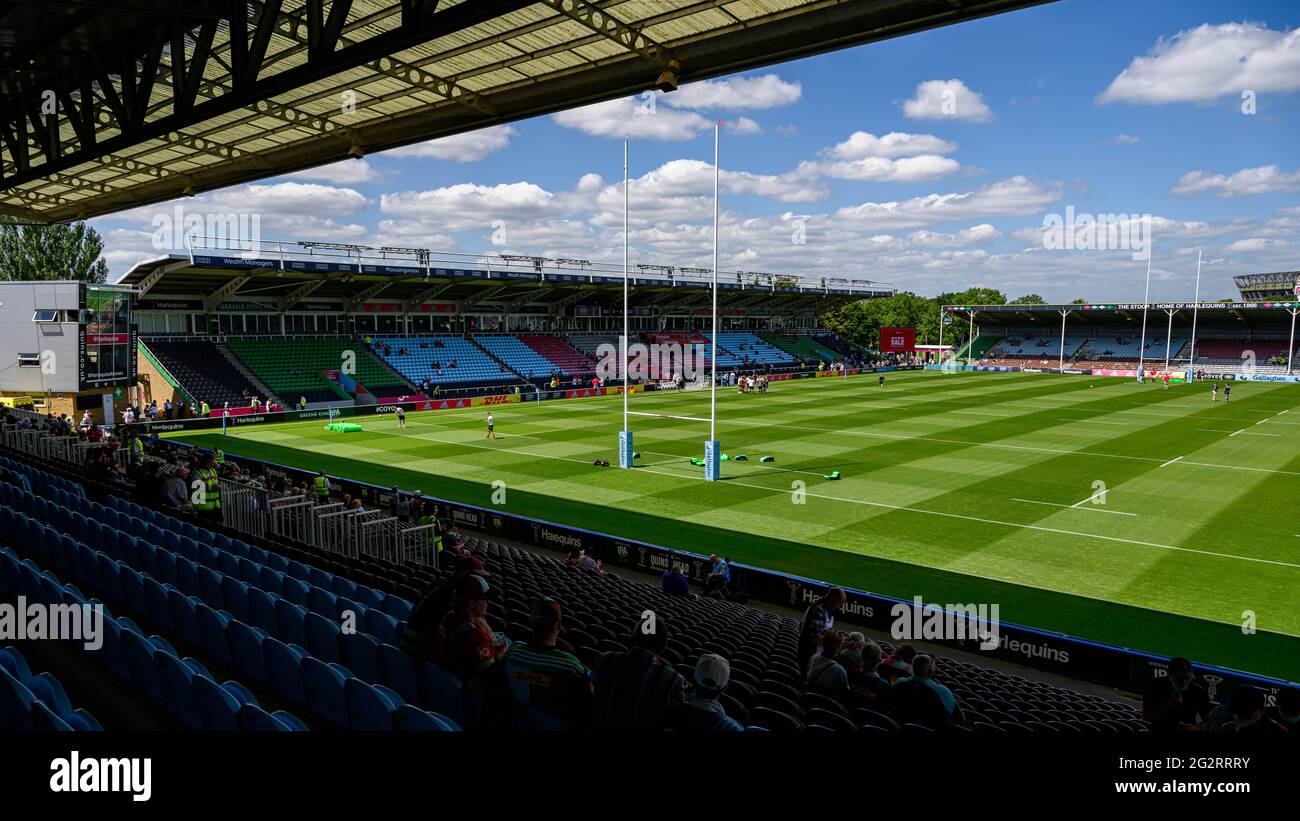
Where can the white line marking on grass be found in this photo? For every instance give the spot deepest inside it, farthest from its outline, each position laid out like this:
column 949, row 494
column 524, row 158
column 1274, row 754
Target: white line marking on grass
column 1075, row 507
column 1215, row 430
column 1243, row 430
column 1171, row 461
column 667, row 416
column 1095, row 422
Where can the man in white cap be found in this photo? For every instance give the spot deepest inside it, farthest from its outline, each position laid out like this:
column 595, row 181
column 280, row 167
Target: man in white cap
column 702, row 713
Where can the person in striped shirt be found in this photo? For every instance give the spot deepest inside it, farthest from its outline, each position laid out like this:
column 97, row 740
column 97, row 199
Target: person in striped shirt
column 541, row 675
column 635, row 687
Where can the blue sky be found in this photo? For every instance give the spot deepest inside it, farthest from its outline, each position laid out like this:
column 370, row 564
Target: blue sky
column 929, row 161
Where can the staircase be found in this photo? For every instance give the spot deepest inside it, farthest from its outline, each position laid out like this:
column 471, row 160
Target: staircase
column 262, row 389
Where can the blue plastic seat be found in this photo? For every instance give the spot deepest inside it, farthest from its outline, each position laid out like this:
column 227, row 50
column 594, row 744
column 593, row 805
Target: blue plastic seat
column 155, row 596
column 382, row 626
column 360, row 654
column 440, row 691
column 210, row 588
column 295, row 591
column 284, row 669
column 323, row 684
column 247, row 650
column 235, row 594
column 290, row 618
column 12, row 660
column 368, row 708
column 44, row 720
column 261, row 610
column 178, row 690
column 320, row 600
column 397, row 671
column 140, row 661
column 48, row 689
column 409, row 718
column 212, row 629
column 218, row 707
column 111, row 654
column 397, row 607
column 184, row 618
column 322, row 638
column 253, row 718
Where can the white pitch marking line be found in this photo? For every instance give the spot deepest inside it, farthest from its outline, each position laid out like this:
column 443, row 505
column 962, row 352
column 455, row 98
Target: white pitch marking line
column 1073, row 507
column 1216, row 430
column 1171, row 461
column 1095, row 422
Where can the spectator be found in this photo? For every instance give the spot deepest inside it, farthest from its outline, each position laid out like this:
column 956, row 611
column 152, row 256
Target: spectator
column 824, row 673
column 589, row 562
column 635, row 687
column 719, row 575
column 538, row 674
column 861, row 666
column 1287, row 710
column 466, row 645
column 1175, row 701
column 674, row 583
column 702, row 712
column 1248, row 716
column 419, row 639
column 818, row 620
column 575, row 556
column 919, row 699
column 899, row 665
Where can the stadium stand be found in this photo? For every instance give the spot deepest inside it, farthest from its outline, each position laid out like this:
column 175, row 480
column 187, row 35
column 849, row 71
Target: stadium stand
column 1034, row 347
column 203, row 373
column 517, row 356
column 567, row 359
column 268, row 618
column 296, row 367
column 271, row 620
column 802, row 347
column 1122, row 347
column 34, row 701
column 589, row 343
column 748, row 347
column 1231, row 351
column 432, row 357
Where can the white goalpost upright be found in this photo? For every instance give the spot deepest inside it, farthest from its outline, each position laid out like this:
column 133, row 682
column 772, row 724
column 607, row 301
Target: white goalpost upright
column 626, row 453
column 1146, row 301
column 712, row 453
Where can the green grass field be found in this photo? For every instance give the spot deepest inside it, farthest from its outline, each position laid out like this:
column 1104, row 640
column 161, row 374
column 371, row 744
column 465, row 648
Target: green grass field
column 964, row 487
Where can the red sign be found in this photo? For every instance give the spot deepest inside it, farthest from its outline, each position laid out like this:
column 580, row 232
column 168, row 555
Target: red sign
column 107, row 339
column 896, row 340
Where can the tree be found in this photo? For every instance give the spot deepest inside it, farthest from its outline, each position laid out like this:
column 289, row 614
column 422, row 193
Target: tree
column 1028, row 299
column 1079, row 301
column 47, row 252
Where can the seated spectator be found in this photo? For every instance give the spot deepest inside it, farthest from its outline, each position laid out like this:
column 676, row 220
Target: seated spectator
column 719, row 575
column 702, row 713
column 1247, row 712
column 899, row 665
column 1286, row 710
column 674, row 583
column 825, row 674
column 538, row 674
column 818, row 619
column 635, row 687
column 864, row 681
column 575, row 556
column 590, row 563
column 466, row 645
column 919, row 699
column 1175, row 701
column 419, row 639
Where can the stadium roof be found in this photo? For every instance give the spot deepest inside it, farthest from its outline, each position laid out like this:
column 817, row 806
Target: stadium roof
column 111, row 104
column 302, row 273
column 1114, row 314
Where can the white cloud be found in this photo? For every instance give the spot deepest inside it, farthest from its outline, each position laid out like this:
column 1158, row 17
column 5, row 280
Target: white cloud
column 1126, row 139
column 631, row 117
column 345, row 172
column 1012, row 196
column 875, row 169
column 471, row 146
column 1254, row 244
column 468, row 206
column 861, row 145
column 743, row 127
column 1262, row 180
column 947, row 99
column 734, row 93
column 1208, row 62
